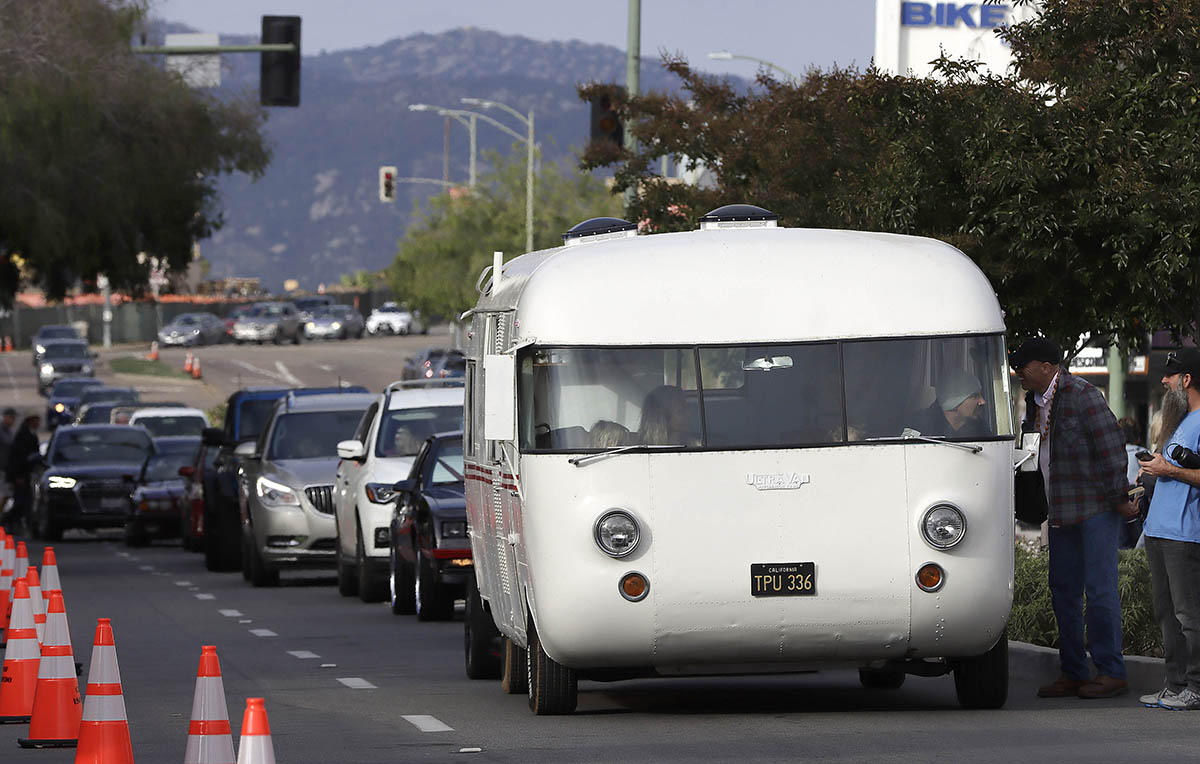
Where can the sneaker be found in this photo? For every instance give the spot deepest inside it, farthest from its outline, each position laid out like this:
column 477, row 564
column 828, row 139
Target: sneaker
column 1187, row 700
column 1155, row 700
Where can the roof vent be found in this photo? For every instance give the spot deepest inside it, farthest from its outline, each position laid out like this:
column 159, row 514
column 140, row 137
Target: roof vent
column 739, row 216
column 599, row 229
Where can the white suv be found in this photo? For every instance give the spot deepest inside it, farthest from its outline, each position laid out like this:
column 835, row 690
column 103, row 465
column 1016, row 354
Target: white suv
column 390, row 318
column 380, row 454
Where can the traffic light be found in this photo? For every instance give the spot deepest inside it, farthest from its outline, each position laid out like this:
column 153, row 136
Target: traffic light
column 387, row 184
column 606, row 124
column 279, row 76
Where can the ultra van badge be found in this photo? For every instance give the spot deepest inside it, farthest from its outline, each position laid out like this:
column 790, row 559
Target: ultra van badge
column 777, row 481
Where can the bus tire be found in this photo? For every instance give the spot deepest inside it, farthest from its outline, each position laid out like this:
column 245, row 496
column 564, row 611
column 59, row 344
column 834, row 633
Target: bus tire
column 479, row 637
column 514, row 672
column 881, row 679
column 553, row 688
column 982, row 681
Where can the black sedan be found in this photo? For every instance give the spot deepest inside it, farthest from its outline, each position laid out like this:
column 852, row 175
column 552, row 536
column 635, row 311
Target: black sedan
column 154, row 507
column 64, row 399
column 86, row 478
column 430, row 556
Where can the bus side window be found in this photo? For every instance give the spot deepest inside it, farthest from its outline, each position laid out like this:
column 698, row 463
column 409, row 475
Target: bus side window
column 469, row 442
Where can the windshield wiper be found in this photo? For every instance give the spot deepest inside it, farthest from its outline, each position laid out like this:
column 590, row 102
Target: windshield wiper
column 911, row 434
column 579, row 461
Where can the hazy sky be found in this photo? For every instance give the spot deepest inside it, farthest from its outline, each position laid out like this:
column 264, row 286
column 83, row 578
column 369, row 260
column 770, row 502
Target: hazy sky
column 793, row 34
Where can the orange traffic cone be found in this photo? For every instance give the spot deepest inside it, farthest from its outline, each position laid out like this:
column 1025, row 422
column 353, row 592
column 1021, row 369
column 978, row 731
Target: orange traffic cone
column 187, row 363
column 196, row 369
column 153, row 355
column 18, row 682
column 22, row 560
column 6, row 574
column 54, row 722
column 254, row 746
column 104, row 728
column 8, row 344
column 210, row 740
column 49, row 574
column 39, row 604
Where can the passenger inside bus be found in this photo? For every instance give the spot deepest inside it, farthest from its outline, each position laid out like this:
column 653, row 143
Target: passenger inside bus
column 666, row 419
column 609, row 434
column 957, row 410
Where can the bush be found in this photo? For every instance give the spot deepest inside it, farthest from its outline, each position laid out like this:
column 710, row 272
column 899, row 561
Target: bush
column 1032, row 618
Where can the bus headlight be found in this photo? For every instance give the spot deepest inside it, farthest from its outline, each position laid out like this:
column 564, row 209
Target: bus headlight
column 617, row 533
column 943, row 526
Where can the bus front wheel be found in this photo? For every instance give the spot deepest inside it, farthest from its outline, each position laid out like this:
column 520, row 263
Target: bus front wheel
column 513, row 669
column 982, row 681
column 553, row 688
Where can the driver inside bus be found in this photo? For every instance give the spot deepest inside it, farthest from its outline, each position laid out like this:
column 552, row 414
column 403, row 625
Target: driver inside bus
column 957, row 412
column 666, row 420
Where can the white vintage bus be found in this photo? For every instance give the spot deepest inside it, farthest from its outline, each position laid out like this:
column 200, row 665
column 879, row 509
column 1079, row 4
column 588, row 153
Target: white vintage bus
column 741, row 449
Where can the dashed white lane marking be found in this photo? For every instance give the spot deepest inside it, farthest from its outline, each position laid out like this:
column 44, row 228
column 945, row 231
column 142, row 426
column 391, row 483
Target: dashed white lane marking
column 123, row 554
column 263, row 633
column 260, row 371
column 324, row 367
column 283, row 372
column 302, row 654
column 145, row 567
column 183, row 583
column 427, row 723
column 358, row 683
column 206, row 596
column 246, row 620
column 328, row 665
column 230, row 613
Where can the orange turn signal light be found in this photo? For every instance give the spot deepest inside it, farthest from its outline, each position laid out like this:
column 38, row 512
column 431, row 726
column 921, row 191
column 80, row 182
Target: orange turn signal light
column 634, row 587
column 931, row 577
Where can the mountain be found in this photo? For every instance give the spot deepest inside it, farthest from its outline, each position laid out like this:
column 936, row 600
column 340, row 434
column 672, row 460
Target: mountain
column 316, row 213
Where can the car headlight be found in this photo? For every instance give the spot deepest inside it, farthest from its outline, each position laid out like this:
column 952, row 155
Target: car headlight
column 274, row 494
column 617, row 533
column 943, row 526
column 39, row 349
column 381, row 493
column 195, row 331
column 59, row 408
column 454, row 529
column 60, row 481
column 310, row 325
column 87, row 368
column 47, row 369
column 336, row 325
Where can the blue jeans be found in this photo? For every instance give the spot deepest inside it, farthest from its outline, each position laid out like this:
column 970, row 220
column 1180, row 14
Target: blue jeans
column 1083, row 558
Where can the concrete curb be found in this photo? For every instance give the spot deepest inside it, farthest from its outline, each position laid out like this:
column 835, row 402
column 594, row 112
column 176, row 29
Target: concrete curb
column 1041, row 663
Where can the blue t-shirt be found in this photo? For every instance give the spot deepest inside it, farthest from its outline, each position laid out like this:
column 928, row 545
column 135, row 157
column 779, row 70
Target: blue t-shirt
column 1175, row 508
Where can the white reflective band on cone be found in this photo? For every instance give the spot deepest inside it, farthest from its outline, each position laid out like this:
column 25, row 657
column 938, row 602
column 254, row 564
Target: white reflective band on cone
column 104, row 708
column 103, row 669
column 255, row 749
column 56, row 667
column 22, row 650
column 208, row 704
column 209, row 749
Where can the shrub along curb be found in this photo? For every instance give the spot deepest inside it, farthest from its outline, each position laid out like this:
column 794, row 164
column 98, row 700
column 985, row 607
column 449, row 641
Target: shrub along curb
column 1041, row 663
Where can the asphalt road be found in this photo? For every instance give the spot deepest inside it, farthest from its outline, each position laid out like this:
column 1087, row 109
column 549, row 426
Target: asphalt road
column 349, row 682
column 372, row 362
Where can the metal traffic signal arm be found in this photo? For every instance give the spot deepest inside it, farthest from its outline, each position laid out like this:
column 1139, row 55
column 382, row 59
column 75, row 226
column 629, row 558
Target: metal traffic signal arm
column 279, row 77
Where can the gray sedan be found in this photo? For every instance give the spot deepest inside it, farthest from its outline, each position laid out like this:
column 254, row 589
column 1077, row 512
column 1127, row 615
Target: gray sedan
column 193, row 329
column 335, row 322
column 269, row 322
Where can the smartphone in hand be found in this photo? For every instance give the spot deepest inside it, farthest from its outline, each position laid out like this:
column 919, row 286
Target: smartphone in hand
column 1144, row 456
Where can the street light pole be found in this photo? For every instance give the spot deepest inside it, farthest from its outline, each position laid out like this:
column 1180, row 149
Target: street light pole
column 633, row 61
column 467, row 119
column 724, row 55
column 530, row 146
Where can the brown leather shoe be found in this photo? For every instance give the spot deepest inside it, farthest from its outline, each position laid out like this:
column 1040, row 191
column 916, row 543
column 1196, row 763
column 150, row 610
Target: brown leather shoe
column 1063, row 687
column 1104, row 687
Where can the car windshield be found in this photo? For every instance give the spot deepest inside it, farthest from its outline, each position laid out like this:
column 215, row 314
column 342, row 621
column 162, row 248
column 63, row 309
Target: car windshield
column 402, row 431
column 66, row 350
column 71, row 388
column 266, row 311
column 448, row 463
column 97, row 413
column 763, row 396
column 57, row 333
column 253, row 415
column 241, row 310
column 113, row 395
column 124, row 444
column 188, row 319
column 163, row 426
column 332, row 311
column 165, row 463
column 311, row 434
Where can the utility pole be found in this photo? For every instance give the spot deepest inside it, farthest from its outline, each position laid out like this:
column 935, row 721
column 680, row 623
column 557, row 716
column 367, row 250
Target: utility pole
column 633, row 62
column 446, row 152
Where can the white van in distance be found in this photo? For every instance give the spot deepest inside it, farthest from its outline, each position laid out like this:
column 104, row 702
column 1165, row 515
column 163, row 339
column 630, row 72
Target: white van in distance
column 742, row 449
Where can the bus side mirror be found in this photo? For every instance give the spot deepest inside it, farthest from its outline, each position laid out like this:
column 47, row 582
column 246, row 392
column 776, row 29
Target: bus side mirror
column 499, row 397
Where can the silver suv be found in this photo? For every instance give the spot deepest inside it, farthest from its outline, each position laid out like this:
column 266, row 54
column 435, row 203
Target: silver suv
column 285, row 484
column 269, row 322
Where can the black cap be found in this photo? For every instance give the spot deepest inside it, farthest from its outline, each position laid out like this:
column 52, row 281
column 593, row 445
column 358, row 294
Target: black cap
column 1036, row 349
column 1185, row 361
column 10, row 411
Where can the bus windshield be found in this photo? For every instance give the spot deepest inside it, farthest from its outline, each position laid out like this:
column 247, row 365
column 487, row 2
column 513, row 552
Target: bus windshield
column 764, row 396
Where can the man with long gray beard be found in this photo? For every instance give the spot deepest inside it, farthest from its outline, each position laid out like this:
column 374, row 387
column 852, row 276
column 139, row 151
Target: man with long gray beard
column 1173, row 535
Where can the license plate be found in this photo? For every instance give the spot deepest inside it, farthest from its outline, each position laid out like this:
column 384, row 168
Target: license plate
column 783, row 579
column 113, row 502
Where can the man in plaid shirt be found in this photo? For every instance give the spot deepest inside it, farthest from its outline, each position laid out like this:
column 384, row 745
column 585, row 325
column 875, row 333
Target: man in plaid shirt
column 1082, row 461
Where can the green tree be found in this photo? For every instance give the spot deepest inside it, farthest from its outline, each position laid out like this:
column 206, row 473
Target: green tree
column 1072, row 182
column 103, row 153
column 443, row 253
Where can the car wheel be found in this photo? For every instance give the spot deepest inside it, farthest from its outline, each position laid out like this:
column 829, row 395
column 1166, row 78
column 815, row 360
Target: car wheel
column 514, row 674
column 299, row 337
column 370, row 588
column 553, row 688
column 261, row 574
column 400, row 579
column 347, row 579
column 345, row 335
column 135, row 534
column 223, row 542
column 46, row 528
column 432, row 600
column 480, row 638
